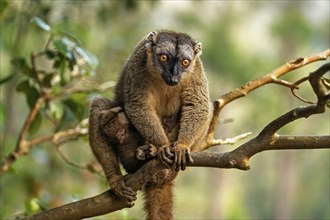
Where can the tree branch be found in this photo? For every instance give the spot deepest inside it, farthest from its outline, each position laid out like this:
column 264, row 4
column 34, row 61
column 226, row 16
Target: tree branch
column 23, row 145
column 271, row 77
column 239, row 158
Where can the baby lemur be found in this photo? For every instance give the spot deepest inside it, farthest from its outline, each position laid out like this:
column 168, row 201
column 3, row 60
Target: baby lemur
column 164, row 94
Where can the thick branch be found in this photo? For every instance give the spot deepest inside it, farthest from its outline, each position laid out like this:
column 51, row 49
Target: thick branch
column 101, row 204
column 239, row 158
column 94, row 206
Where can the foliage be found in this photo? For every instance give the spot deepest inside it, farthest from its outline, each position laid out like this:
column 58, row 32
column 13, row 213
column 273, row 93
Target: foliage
column 56, row 85
column 67, row 60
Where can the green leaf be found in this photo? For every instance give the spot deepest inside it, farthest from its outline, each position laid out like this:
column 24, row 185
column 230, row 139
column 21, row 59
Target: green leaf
column 32, row 206
column 23, row 86
column 58, row 61
column 76, row 108
column 21, row 65
column 32, row 96
column 47, row 80
column 56, row 109
column 88, row 57
column 50, row 54
column 31, row 92
column 40, row 23
column 18, row 62
column 61, row 47
column 71, row 56
column 72, row 60
column 68, row 42
column 63, row 79
column 64, row 47
column 55, row 89
column 72, row 37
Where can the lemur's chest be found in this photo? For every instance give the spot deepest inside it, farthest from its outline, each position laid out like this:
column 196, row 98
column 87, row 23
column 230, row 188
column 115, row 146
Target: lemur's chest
column 167, row 101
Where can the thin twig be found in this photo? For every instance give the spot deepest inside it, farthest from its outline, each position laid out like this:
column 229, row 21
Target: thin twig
column 64, row 157
column 34, row 70
column 227, row 141
column 297, row 83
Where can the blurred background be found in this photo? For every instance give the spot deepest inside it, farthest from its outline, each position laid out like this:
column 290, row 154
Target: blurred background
column 241, row 41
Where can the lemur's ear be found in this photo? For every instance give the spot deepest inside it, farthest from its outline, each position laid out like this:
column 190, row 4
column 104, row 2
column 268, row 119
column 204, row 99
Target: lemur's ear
column 151, row 39
column 198, row 48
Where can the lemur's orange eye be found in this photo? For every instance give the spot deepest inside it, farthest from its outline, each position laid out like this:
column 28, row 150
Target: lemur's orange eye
column 163, row 58
column 185, row 62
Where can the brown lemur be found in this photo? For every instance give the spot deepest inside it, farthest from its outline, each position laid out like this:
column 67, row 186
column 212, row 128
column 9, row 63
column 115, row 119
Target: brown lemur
column 164, row 93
